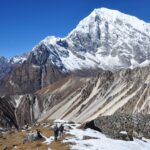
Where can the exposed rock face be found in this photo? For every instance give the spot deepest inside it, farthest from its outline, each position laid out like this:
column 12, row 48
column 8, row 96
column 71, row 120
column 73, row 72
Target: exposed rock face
column 31, row 76
column 135, row 125
column 27, row 108
column 124, row 92
column 7, row 113
column 82, row 99
column 19, row 110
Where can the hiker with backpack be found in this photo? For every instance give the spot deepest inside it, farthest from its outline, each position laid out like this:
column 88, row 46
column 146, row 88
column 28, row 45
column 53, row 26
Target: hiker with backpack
column 61, row 130
column 56, row 131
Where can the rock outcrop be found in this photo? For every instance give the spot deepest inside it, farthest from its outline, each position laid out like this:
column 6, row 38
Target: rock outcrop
column 117, row 125
column 19, row 110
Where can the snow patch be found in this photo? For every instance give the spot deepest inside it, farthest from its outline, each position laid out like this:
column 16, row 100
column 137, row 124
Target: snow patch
column 49, row 140
column 123, row 132
column 100, row 141
column 93, row 140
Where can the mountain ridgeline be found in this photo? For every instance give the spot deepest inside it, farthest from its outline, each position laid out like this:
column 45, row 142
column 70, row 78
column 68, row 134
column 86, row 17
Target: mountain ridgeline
column 100, row 68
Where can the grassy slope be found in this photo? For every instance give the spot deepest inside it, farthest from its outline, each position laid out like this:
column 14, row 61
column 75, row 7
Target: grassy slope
column 16, row 139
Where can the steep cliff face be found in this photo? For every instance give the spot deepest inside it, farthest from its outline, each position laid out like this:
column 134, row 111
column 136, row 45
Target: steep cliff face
column 7, row 113
column 19, row 110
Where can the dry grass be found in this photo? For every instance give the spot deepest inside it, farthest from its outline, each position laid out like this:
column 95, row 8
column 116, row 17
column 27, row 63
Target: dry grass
column 13, row 140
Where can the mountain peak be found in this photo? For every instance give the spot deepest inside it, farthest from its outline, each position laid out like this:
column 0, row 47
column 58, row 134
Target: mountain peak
column 114, row 17
column 50, row 40
column 104, row 10
column 107, row 39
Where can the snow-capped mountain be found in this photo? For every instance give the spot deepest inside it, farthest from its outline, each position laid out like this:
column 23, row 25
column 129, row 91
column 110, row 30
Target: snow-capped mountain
column 106, row 39
column 19, row 59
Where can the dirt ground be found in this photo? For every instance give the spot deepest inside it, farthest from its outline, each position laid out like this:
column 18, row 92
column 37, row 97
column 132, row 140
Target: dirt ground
column 14, row 141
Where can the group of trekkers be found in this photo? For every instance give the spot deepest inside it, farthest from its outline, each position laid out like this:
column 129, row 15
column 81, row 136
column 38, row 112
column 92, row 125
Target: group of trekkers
column 58, row 131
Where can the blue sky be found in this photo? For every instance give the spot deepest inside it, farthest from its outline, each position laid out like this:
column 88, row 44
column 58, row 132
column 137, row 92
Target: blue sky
column 24, row 23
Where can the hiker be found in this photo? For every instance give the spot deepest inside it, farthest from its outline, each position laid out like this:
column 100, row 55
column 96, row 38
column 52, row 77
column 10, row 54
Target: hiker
column 39, row 136
column 56, row 130
column 61, row 130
